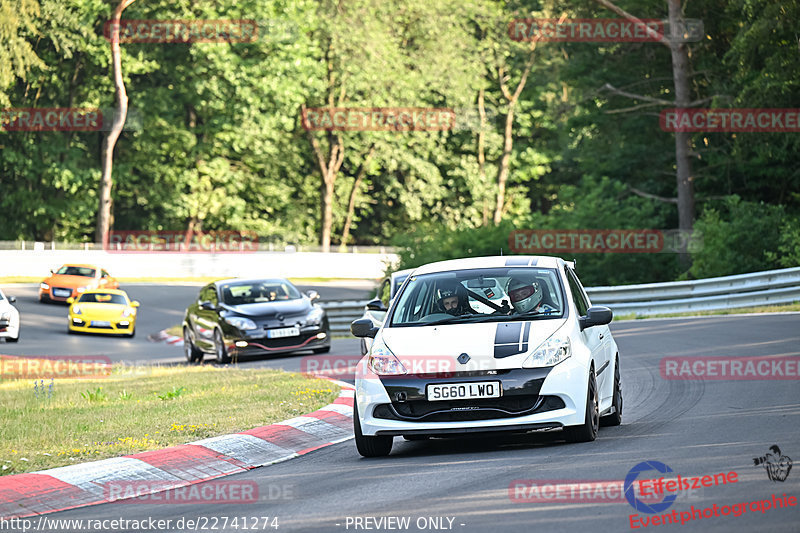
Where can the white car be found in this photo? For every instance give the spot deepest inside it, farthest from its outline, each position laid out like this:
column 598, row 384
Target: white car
column 452, row 358
column 9, row 318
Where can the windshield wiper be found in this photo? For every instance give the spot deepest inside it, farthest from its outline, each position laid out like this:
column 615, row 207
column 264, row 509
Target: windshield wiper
column 454, row 319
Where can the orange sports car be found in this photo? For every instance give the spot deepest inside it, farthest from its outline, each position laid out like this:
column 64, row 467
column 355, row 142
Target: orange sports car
column 71, row 281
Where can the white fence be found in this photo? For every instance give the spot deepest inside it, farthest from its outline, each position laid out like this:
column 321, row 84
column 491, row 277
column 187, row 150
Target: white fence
column 182, row 265
column 729, row 292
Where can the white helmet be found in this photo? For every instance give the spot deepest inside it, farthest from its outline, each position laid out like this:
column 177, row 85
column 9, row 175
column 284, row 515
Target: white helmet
column 525, row 293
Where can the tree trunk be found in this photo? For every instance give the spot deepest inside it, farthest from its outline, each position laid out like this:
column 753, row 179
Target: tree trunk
column 351, row 205
column 683, row 146
column 502, row 175
column 107, row 154
column 326, row 211
column 482, row 154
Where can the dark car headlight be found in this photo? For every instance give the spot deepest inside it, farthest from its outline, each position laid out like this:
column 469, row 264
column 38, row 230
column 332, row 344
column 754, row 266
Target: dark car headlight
column 314, row 318
column 240, row 322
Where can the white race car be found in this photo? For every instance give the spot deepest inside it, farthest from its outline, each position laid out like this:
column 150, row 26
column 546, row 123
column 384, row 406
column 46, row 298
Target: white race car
column 453, row 358
column 9, row 319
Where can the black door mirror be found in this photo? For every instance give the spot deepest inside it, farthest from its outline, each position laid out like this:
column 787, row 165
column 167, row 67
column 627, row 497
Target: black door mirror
column 312, row 295
column 363, row 327
column 596, row 316
column 12, row 299
column 376, row 305
column 208, row 306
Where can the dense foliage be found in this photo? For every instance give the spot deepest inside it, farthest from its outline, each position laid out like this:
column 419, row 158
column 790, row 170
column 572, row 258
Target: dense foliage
column 222, row 147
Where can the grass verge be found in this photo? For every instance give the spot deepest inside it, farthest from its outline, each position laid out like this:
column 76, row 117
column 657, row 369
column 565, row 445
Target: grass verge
column 47, row 423
column 741, row 310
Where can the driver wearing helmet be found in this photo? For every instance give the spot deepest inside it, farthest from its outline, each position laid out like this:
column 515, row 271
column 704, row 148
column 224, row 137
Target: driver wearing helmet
column 527, row 296
column 452, row 302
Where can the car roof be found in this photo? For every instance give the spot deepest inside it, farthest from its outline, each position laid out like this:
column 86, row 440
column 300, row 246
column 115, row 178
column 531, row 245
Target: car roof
column 108, row 291
column 80, row 265
column 249, row 280
column 491, row 262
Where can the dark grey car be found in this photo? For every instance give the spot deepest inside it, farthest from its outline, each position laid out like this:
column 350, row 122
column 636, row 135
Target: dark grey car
column 232, row 318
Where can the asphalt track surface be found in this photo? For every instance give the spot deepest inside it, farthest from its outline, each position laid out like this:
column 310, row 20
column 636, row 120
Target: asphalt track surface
column 44, row 325
column 696, row 427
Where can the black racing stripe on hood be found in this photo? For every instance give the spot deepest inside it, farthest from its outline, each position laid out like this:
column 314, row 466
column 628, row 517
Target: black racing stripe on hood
column 507, row 339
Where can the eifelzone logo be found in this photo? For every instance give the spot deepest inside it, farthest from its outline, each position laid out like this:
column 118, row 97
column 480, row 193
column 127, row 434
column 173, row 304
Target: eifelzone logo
column 775, row 463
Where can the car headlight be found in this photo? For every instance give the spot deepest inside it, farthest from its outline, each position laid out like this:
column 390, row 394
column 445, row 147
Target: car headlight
column 44, row 286
column 6, row 316
column 80, row 289
column 383, row 362
column 128, row 311
column 240, row 322
column 550, row 353
column 314, row 318
column 76, row 309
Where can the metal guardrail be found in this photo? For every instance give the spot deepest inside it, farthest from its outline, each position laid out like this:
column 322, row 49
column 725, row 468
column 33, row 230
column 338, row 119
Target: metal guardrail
column 729, row 292
column 341, row 313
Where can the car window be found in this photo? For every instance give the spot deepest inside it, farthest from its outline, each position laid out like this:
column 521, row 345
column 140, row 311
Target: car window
column 258, row 292
column 384, row 293
column 103, row 298
column 482, row 295
column 76, row 271
column 209, row 294
column 103, row 273
column 577, row 293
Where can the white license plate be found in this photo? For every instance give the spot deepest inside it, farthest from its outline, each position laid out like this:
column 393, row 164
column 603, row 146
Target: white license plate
column 464, row 391
column 100, row 323
column 61, row 293
column 283, row 332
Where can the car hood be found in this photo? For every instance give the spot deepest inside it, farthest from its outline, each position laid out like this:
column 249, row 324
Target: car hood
column 61, row 280
column 100, row 311
column 490, row 345
column 270, row 309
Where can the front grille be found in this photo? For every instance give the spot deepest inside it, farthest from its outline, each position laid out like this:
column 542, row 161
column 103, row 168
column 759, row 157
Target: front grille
column 54, row 289
column 283, row 342
column 464, row 410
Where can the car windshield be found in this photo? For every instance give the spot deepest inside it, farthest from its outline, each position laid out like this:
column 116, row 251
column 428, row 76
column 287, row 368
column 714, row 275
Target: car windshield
column 76, row 271
column 258, row 292
column 103, row 298
column 480, row 295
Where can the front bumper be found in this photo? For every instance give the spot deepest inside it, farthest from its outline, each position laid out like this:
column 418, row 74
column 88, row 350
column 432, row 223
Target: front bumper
column 9, row 329
column 48, row 294
column 80, row 324
column 532, row 399
column 256, row 345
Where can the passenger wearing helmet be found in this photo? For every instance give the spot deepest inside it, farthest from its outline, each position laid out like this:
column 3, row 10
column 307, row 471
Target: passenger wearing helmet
column 526, row 295
column 452, row 302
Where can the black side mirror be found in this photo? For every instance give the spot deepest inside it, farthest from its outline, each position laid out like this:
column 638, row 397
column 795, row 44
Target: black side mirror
column 208, row 306
column 596, row 316
column 376, row 305
column 312, row 295
column 12, row 299
column 363, row 327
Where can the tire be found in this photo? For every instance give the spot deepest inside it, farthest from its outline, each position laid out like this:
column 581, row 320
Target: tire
column 587, row 431
column 378, row 446
column 193, row 355
column 615, row 418
column 13, row 339
column 219, row 349
column 324, row 349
